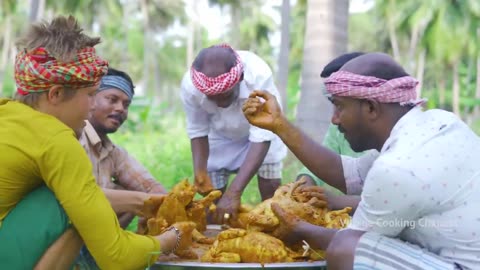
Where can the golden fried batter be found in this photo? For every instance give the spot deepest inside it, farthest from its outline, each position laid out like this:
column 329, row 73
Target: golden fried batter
column 178, row 206
column 309, row 206
column 239, row 245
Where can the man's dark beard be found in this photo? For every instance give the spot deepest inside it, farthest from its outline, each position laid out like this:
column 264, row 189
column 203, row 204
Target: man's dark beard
column 110, row 130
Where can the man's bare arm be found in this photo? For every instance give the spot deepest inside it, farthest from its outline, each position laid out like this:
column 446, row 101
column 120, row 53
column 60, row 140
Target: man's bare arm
column 262, row 110
column 200, row 153
column 125, row 219
column 320, row 160
column 253, row 160
column 337, row 202
column 125, row 201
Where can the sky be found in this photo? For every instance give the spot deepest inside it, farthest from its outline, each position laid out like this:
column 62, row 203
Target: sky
column 213, row 18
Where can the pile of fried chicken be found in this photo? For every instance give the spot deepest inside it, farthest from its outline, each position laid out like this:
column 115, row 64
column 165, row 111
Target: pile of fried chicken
column 254, row 238
column 179, row 206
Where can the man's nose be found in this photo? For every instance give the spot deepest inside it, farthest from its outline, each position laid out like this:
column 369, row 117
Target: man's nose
column 91, row 103
column 335, row 119
column 119, row 107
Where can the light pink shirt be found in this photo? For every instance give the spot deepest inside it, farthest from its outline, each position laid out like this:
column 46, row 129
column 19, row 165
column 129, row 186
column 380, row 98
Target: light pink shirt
column 113, row 167
column 424, row 187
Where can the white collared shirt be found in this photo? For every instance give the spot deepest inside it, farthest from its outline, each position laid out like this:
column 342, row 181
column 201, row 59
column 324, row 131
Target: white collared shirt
column 228, row 130
column 425, row 187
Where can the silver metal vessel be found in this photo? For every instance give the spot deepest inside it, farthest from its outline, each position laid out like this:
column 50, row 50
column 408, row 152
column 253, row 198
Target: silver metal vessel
column 320, row 265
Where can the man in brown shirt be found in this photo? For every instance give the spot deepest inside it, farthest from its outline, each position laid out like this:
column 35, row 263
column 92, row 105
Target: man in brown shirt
column 113, row 167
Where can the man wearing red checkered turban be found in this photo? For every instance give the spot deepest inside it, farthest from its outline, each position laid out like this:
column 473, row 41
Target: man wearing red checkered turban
column 223, row 142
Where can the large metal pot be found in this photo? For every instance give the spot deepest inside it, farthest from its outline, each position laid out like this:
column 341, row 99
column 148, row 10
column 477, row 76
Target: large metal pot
column 320, row 265
column 212, row 230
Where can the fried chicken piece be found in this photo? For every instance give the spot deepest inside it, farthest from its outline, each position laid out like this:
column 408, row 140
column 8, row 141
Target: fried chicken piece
column 196, row 210
column 306, row 202
column 239, row 245
column 184, row 191
column 150, row 206
column 177, row 206
column 172, row 210
column 161, row 213
column 184, row 249
column 299, row 202
column 306, row 206
column 156, row 226
column 337, row 219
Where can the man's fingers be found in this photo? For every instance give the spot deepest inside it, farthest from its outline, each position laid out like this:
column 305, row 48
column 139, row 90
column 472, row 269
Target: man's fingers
column 204, row 189
column 234, row 215
column 278, row 211
column 218, row 216
column 260, row 93
column 252, row 103
column 315, row 202
column 302, row 179
column 250, row 111
column 318, row 195
column 311, row 189
column 158, row 197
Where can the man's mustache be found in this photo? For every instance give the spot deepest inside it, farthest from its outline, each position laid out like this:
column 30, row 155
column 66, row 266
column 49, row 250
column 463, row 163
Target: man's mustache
column 117, row 117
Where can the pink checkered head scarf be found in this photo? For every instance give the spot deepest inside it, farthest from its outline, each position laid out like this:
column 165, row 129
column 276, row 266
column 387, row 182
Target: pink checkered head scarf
column 399, row 90
column 222, row 83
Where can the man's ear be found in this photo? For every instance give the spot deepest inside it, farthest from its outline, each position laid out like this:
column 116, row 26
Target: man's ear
column 372, row 108
column 55, row 94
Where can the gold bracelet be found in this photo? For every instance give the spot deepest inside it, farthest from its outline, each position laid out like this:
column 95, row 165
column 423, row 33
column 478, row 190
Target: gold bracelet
column 179, row 237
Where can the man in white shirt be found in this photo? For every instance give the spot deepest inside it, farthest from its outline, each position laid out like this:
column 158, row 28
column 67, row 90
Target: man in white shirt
column 223, row 142
column 419, row 198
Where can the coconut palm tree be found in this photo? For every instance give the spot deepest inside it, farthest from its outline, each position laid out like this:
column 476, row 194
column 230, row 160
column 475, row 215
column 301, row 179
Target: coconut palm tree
column 282, row 74
column 8, row 9
column 326, row 36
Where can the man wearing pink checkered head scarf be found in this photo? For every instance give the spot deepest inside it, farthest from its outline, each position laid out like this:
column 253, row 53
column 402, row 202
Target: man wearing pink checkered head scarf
column 223, row 142
column 419, row 197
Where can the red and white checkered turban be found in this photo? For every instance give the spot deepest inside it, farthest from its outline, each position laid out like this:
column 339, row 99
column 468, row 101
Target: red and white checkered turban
column 399, row 90
column 222, row 83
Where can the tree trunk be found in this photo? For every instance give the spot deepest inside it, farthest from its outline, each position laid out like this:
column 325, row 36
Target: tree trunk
column 456, row 90
column 393, row 40
column 420, row 71
column 326, row 34
column 191, row 35
column 235, row 13
column 146, row 48
column 190, row 42
column 441, row 93
column 157, row 82
column 37, row 8
column 476, row 111
column 282, row 74
column 5, row 50
column 411, row 65
column 127, row 10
